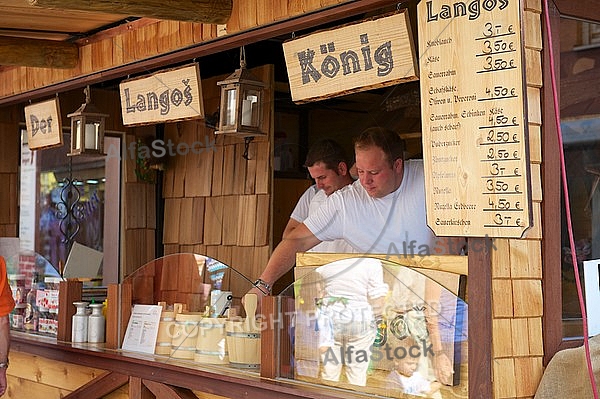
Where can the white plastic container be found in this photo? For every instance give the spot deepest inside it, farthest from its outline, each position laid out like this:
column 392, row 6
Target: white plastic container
column 79, row 327
column 96, row 324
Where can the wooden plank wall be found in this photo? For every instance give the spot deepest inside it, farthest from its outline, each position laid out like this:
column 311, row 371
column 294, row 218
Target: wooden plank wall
column 31, row 376
column 147, row 38
column 9, row 167
column 216, row 202
column 517, row 302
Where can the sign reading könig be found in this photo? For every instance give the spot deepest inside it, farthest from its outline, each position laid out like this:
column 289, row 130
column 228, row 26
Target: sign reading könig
column 356, row 57
column 171, row 95
column 44, row 128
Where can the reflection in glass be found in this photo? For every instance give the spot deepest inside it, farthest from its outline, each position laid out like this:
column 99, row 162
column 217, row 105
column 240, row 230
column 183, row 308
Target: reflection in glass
column 203, row 319
column 580, row 126
column 378, row 327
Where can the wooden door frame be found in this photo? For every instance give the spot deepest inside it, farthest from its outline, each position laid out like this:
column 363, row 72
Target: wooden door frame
column 551, row 177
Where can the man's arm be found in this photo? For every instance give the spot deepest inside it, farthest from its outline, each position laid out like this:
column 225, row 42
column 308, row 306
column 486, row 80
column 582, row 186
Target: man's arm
column 4, row 346
column 284, row 256
column 289, row 227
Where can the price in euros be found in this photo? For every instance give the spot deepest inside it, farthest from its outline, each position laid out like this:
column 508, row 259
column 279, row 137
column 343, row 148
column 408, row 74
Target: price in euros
column 498, row 136
column 501, row 154
column 501, row 91
column 491, row 30
column 497, row 46
column 502, row 204
column 497, row 170
column 503, row 220
column 497, row 185
column 502, row 120
column 497, row 64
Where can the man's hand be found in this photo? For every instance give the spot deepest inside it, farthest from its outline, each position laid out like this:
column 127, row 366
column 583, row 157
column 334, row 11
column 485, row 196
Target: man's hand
column 443, row 368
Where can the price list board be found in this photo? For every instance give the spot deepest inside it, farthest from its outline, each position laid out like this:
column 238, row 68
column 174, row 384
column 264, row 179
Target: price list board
column 474, row 121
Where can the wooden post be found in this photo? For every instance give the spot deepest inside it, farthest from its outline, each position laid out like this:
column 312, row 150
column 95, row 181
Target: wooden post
column 206, row 11
column 117, row 314
column 69, row 292
column 479, row 294
column 277, row 313
column 38, row 53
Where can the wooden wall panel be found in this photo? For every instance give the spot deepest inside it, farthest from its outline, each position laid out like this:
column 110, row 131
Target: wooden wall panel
column 135, row 205
column 199, row 165
column 172, row 219
column 246, row 220
column 213, row 220
column 34, row 376
column 9, row 167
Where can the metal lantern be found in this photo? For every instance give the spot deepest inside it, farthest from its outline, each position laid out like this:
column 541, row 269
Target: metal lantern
column 87, row 129
column 241, row 103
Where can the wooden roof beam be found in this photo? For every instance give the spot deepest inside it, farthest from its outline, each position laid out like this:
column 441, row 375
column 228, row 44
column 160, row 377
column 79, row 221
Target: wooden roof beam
column 38, row 53
column 204, row 11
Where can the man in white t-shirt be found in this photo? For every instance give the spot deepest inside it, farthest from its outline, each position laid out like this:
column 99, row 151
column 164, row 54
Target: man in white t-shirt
column 327, row 164
column 382, row 213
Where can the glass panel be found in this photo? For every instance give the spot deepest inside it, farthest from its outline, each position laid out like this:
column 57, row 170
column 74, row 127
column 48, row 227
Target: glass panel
column 203, row 321
column 580, row 124
column 34, row 284
column 230, row 103
column 374, row 326
column 77, row 130
column 91, row 135
column 250, row 108
column 63, row 201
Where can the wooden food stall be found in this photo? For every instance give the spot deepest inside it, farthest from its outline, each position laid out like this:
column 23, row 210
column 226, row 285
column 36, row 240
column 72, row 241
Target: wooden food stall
column 467, row 85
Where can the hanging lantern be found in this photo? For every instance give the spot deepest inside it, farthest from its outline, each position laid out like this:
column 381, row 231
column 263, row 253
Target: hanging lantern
column 87, row 129
column 241, row 102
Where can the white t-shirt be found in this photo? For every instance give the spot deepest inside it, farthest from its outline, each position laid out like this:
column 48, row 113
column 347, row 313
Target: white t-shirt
column 310, row 201
column 394, row 224
column 416, row 384
column 300, row 211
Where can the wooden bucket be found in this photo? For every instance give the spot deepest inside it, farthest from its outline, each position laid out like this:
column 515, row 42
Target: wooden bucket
column 185, row 335
column 165, row 328
column 243, row 338
column 211, row 346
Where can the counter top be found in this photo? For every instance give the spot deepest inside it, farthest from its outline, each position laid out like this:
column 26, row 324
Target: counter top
column 215, row 379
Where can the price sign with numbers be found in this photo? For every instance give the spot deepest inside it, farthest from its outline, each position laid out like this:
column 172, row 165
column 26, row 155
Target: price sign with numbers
column 474, row 120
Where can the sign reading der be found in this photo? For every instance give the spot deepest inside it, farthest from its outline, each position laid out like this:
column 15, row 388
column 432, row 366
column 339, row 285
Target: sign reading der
column 44, row 128
column 356, row 57
column 170, row 95
column 473, row 117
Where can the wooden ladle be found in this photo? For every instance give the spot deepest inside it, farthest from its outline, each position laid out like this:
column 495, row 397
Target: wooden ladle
column 250, row 303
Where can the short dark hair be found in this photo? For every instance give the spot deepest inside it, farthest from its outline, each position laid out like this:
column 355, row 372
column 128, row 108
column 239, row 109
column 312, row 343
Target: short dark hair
column 391, row 144
column 327, row 151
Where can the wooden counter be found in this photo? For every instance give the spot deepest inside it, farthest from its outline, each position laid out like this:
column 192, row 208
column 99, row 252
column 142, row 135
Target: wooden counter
column 158, row 376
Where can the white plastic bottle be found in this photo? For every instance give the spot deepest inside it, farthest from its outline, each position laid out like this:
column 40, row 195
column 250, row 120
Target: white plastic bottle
column 96, row 324
column 79, row 328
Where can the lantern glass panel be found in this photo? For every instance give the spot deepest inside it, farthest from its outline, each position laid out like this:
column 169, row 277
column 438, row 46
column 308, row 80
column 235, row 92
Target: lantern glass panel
column 250, row 105
column 231, row 106
column 76, row 134
column 92, row 132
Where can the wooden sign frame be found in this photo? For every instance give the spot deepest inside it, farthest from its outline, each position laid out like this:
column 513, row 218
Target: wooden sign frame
column 166, row 96
column 474, row 119
column 44, row 126
column 365, row 55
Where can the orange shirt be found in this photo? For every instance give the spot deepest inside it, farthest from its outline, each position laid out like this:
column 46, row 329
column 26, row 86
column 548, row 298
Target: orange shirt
column 7, row 302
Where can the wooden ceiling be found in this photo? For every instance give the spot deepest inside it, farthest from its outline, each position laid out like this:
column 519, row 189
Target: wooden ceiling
column 26, row 30
column 19, row 19
column 52, row 27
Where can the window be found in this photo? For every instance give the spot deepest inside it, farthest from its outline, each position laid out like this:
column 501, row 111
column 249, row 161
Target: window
column 580, row 125
column 66, row 199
